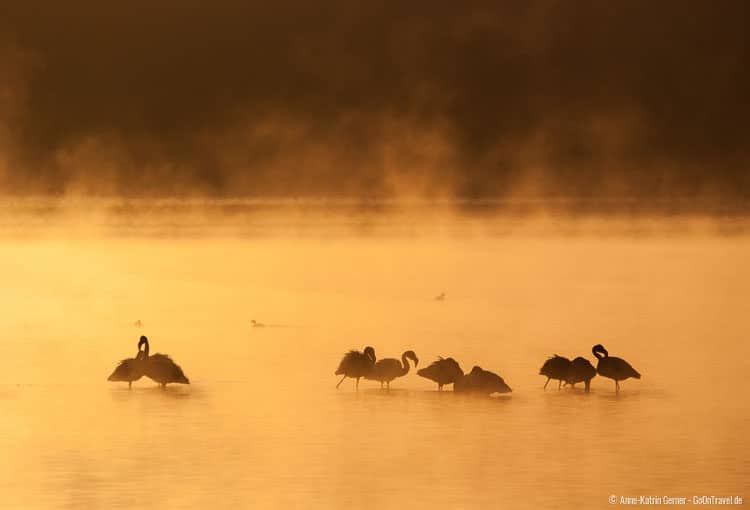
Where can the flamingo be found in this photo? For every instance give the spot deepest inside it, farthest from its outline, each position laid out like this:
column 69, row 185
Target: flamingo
column 556, row 367
column 581, row 370
column 356, row 364
column 387, row 369
column 129, row 369
column 443, row 371
column 481, row 381
column 613, row 368
column 160, row 367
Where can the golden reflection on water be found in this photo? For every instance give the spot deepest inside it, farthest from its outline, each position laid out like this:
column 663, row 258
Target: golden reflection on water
column 262, row 426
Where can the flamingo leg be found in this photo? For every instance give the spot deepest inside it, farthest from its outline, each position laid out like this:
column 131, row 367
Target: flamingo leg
column 588, row 385
column 342, row 380
column 388, row 386
column 545, row 384
column 559, row 384
column 440, row 387
column 357, row 386
column 130, row 384
column 617, row 386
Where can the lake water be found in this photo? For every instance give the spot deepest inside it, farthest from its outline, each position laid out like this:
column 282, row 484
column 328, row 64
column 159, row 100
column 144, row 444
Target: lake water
column 262, row 425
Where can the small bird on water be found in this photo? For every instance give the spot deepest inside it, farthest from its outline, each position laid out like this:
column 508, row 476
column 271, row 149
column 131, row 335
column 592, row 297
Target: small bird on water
column 257, row 324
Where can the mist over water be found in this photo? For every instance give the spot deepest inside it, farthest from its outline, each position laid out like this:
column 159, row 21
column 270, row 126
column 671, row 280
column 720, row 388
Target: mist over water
column 562, row 174
column 262, row 425
column 472, row 99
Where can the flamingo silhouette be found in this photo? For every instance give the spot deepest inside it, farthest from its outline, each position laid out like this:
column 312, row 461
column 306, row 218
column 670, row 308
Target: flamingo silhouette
column 581, row 370
column 129, row 369
column 556, row 367
column 356, row 364
column 613, row 368
column 387, row 369
column 160, row 368
column 481, row 381
column 443, row 371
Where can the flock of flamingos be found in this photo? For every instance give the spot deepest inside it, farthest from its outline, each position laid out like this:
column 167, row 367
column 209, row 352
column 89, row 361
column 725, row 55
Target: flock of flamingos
column 358, row 364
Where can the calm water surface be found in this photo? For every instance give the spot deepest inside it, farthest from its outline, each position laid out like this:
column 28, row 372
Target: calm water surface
column 262, row 424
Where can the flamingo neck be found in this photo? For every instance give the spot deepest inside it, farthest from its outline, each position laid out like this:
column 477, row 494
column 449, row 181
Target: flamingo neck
column 370, row 356
column 405, row 363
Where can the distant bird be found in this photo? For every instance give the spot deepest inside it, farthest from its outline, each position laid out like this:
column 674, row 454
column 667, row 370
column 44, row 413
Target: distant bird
column 613, row 368
column 129, row 369
column 581, row 370
column 356, row 364
column 440, row 297
column 443, row 371
column 556, row 367
column 138, row 324
column 257, row 324
column 387, row 369
column 481, row 381
column 160, row 367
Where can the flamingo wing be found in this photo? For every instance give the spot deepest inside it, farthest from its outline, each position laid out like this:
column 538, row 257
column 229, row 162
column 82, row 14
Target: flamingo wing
column 555, row 367
column 625, row 369
column 442, row 371
column 355, row 364
column 162, row 369
column 386, row 369
column 127, row 370
column 349, row 361
column 431, row 372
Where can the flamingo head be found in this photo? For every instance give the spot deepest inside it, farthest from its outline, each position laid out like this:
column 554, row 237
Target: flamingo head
column 413, row 357
column 370, row 353
column 599, row 351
